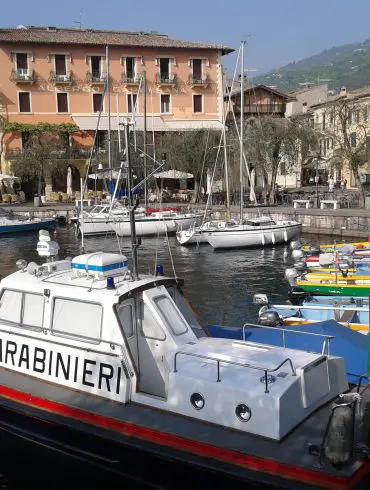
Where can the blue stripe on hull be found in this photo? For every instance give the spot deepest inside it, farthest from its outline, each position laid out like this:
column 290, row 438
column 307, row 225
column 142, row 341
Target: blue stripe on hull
column 21, row 227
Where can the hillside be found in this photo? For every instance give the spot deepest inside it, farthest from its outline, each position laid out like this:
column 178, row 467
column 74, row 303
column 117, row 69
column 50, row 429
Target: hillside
column 347, row 65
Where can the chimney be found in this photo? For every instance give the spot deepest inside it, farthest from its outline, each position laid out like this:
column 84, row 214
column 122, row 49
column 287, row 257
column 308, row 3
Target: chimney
column 343, row 91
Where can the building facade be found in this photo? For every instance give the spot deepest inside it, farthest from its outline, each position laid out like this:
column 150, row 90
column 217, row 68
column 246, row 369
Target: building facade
column 58, row 76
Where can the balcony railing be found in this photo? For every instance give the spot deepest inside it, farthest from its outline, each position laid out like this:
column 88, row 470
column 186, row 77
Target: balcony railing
column 130, row 78
column 201, row 81
column 66, row 79
column 96, row 77
column 278, row 108
column 166, row 79
column 22, row 75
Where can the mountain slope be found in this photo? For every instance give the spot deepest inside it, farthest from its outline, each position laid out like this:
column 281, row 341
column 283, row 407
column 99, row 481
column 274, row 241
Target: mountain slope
column 347, row 65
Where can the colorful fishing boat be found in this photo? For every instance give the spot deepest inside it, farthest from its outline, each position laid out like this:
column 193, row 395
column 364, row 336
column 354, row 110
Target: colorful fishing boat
column 332, row 247
column 335, row 284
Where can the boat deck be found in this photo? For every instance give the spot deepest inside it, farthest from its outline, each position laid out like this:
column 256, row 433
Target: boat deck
column 192, row 437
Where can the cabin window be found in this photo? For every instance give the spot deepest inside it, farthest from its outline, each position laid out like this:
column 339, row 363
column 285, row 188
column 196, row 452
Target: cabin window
column 24, row 309
column 149, row 325
column 33, row 310
column 10, row 306
column 126, row 315
column 170, row 315
column 77, row 319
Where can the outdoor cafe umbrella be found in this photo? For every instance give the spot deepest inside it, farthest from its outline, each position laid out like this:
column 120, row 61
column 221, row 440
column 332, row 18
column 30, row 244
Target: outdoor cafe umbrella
column 69, row 181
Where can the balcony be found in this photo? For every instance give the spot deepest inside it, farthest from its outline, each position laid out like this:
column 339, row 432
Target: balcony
column 96, row 78
column 66, row 79
column 131, row 80
column 23, row 75
column 202, row 81
column 166, row 80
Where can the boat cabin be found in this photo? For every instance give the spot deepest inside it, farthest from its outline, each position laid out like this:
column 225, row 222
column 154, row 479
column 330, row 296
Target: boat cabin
column 90, row 326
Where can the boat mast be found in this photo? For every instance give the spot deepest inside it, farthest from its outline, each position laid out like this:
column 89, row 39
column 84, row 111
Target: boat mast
column 134, row 242
column 109, row 122
column 228, row 215
column 241, row 130
column 144, row 146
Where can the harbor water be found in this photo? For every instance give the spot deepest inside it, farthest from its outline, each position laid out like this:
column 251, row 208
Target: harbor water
column 219, row 286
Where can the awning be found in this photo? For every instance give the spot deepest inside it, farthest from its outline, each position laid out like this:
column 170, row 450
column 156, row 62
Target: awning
column 173, row 174
column 155, row 123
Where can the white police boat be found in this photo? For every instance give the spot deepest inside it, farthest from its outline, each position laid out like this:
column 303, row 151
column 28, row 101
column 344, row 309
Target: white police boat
column 111, row 368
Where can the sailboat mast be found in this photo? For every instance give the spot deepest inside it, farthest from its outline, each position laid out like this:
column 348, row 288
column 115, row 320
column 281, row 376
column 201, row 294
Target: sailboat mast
column 134, row 243
column 109, row 122
column 241, row 130
column 228, row 216
column 145, row 159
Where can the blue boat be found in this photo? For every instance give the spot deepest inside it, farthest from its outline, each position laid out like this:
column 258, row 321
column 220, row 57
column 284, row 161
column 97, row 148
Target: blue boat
column 324, row 337
column 19, row 225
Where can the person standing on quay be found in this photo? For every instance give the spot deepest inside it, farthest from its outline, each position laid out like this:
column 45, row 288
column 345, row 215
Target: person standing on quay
column 331, row 184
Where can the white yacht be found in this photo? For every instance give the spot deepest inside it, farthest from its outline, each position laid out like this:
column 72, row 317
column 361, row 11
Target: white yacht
column 196, row 234
column 102, row 365
column 161, row 222
column 252, row 233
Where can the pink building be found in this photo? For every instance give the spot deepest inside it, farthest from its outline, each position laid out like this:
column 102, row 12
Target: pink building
column 57, row 75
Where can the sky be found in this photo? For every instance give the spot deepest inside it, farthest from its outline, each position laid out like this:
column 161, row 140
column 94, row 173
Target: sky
column 276, row 32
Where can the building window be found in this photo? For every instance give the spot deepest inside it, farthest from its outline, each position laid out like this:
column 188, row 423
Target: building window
column 130, row 67
column 165, row 103
column 96, row 67
column 97, row 102
column 22, row 63
column 366, row 113
column 60, row 64
column 132, row 103
column 282, row 168
column 323, row 121
column 62, row 102
column 197, row 69
column 24, row 102
column 164, row 67
column 331, row 117
column 353, row 138
column 197, row 103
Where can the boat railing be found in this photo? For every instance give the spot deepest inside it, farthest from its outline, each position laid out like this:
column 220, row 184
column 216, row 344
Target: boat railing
column 325, row 345
column 234, row 363
column 113, row 345
column 312, row 306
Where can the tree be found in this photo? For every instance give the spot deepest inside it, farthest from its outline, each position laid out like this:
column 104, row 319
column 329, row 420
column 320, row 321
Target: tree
column 191, row 151
column 41, row 158
column 344, row 121
column 270, row 140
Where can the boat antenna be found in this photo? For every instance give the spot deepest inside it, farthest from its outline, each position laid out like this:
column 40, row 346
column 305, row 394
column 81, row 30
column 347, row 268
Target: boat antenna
column 134, row 242
column 241, row 169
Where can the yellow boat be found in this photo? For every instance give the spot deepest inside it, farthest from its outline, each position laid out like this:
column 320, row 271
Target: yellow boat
column 335, row 284
column 331, row 247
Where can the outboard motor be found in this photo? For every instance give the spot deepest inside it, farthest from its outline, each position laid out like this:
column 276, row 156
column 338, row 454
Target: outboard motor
column 314, row 250
column 291, row 276
column 297, row 254
column 295, row 245
column 300, row 266
column 297, row 295
column 270, row 318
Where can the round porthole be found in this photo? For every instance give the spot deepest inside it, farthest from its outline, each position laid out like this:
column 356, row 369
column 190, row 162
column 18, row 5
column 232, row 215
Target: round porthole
column 197, row 401
column 243, row 412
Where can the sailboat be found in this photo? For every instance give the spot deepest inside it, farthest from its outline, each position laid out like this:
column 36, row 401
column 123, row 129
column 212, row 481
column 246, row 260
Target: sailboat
column 260, row 231
column 110, row 368
column 115, row 219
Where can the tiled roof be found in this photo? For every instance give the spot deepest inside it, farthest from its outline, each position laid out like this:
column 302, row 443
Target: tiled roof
column 252, row 88
column 56, row 35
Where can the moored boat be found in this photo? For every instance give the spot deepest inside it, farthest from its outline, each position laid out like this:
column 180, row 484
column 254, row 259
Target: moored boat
column 17, row 224
column 253, row 232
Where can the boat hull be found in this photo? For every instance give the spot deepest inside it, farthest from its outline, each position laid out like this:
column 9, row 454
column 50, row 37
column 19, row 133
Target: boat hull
column 190, row 237
column 61, row 435
column 27, row 226
column 153, row 226
column 253, row 238
column 336, row 289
